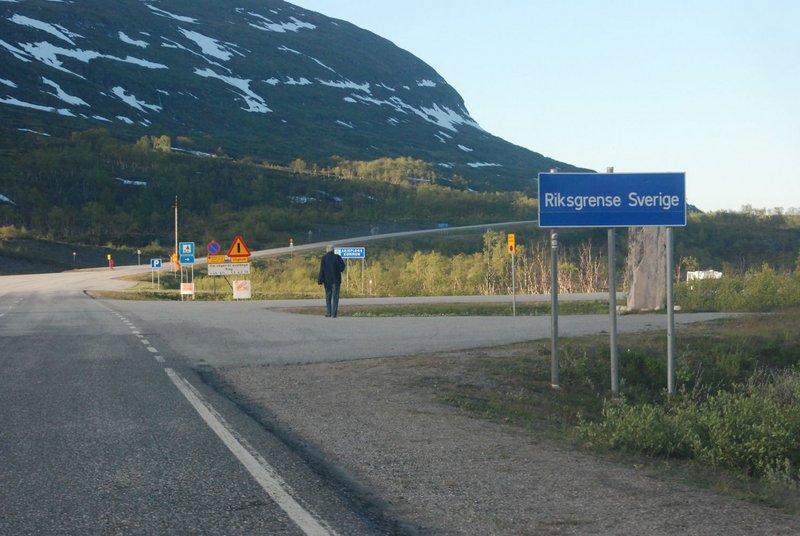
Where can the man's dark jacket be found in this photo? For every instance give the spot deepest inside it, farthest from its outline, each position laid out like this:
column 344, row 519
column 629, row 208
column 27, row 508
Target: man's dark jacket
column 331, row 267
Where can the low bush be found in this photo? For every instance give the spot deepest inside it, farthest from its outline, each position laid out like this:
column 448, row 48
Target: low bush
column 752, row 428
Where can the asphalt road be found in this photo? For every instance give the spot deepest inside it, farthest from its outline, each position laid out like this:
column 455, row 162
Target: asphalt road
column 107, row 427
column 106, row 430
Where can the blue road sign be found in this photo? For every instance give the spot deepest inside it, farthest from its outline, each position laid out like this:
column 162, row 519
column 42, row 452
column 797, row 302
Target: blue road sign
column 612, row 199
column 187, row 259
column 155, row 263
column 351, row 253
column 186, row 248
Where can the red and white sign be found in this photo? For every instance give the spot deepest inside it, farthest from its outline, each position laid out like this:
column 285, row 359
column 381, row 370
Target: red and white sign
column 241, row 289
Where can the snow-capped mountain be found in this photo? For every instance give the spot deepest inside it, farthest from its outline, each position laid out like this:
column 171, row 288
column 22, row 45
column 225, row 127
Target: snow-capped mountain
column 260, row 78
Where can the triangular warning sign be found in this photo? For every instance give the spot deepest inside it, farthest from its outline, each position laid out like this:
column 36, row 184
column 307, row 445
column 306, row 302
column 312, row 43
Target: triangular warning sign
column 238, row 248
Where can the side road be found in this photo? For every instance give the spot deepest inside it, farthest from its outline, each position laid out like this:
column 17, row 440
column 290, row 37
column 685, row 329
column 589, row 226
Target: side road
column 444, row 472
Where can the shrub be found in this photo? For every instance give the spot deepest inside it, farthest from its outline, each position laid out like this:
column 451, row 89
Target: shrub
column 753, row 427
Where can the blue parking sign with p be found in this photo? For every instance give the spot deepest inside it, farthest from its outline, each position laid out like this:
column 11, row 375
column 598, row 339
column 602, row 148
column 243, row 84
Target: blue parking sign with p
column 155, row 263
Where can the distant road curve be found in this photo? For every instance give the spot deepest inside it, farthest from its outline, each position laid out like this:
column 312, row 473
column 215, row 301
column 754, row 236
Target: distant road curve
column 372, row 238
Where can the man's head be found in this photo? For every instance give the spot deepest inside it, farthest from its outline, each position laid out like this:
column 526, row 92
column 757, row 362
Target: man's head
column 329, row 248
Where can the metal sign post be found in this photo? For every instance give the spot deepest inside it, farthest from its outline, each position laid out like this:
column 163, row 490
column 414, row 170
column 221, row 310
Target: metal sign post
column 512, row 248
column 612, row 307
column 612, row 311
column 554, row 363
column 670, row 314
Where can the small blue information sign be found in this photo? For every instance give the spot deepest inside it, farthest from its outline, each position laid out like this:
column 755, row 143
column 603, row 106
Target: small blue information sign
column 186, row 250
column 612, row 199
column 351, row 253
column 155, row 263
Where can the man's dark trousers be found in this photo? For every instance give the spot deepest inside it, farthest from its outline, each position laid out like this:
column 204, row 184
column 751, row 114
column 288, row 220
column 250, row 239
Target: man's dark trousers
column 332, row 299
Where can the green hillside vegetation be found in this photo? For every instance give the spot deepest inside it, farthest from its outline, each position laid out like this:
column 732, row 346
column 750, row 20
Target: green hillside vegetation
column 93, row 188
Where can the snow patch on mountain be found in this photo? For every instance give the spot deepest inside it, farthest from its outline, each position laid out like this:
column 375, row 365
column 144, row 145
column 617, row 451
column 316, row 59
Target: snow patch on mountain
column 128, row 182
column 476, row 165
column 49, row 55
column 16, row 102
column 129, row 40
column 8, row 83
column 284, row 48
column 346, row 84
column 34, row 132
column 254, row 101
column 290, row 81
column 167, row 14
column 167, row 43
column 345, row 123
column 464, row 148
column 16, row 52
column 447, row 118
column 302, row 81
column 63, row 95
column 193, row 153
column 132, row 101
column 209, row 47
column 320, row 63
column 53, row 29
column 265, row 24
column 6, row 199
column 438, row 115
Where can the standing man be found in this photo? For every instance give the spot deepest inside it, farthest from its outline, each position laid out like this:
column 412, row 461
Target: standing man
column 331, row 267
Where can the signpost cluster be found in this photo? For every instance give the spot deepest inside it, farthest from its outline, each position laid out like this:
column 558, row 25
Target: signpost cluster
column 613, row 200
column 237, row 264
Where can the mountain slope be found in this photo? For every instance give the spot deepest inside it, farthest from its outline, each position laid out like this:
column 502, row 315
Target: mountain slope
column 252, row 78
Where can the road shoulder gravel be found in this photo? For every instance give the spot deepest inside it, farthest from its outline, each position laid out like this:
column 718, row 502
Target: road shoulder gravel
column 442, row 471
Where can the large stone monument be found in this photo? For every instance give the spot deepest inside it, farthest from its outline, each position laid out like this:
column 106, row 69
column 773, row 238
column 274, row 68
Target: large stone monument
column 647, row 264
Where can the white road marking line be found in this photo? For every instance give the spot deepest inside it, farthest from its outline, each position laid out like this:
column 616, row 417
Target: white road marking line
column 145, row 342
column 159, row 359
column 257, row 466
column 151, row 349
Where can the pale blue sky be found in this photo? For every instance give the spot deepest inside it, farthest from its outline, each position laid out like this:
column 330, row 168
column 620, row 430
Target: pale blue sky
column 709, row 87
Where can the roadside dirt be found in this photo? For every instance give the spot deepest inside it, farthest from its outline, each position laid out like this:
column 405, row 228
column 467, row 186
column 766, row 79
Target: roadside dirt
column 445, row 472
